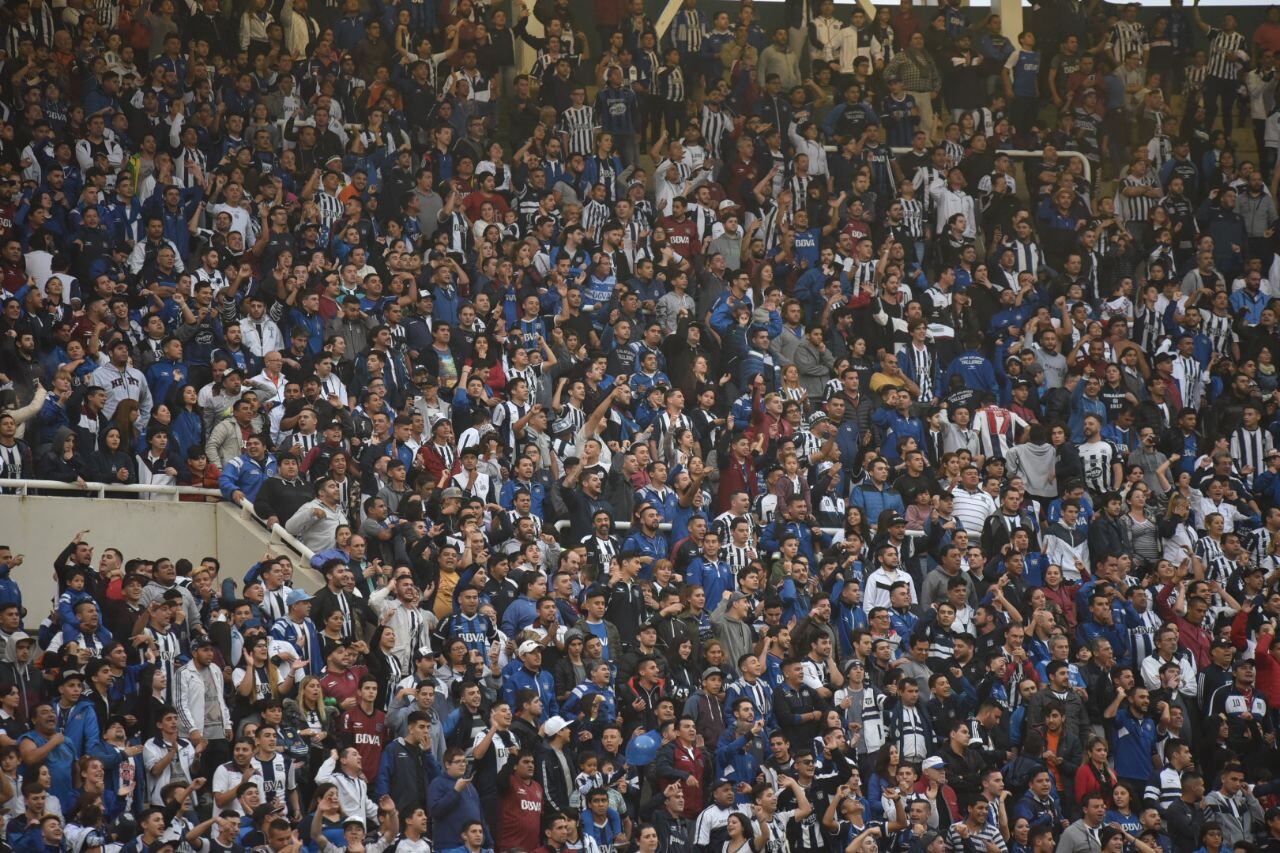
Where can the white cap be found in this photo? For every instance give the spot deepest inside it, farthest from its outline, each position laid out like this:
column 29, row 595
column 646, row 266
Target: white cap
column 528, row 646
column 554, row 726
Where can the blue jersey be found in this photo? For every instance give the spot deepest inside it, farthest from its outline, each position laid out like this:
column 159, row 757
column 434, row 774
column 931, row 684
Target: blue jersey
column 806, row 245
column 1025, row 73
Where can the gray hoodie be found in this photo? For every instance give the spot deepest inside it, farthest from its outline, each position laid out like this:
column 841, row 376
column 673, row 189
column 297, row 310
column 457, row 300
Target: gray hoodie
column 1036, row 465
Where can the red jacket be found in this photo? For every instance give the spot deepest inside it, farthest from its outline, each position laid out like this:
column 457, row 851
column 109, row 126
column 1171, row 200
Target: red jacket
column 1194, row 638
column 737, row 476
column 1268, row 677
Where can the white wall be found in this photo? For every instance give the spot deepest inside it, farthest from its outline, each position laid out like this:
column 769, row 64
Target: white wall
column 40, row 527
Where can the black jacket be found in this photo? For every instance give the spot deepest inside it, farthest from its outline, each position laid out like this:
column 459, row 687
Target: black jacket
column 556, row 777
column 282, row 498
column 1107, row 536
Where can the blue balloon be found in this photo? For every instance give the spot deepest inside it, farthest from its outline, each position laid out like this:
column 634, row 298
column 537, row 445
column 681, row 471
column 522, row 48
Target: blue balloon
column 643, row 749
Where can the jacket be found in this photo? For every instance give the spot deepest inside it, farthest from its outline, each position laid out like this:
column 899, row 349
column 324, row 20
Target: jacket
column 1078, row 839
column 1077, row 716
column 405, row 774
column 281, row 498
column 815, row 367
column 191, row 698
column 225, row 442
column 1184, row 821
column 285, row 631
column 1239, row 819
column 519, row 678
column 451, row 810
column 243, row 474
column 125, row 383
column 555, row 772
column 737, row 636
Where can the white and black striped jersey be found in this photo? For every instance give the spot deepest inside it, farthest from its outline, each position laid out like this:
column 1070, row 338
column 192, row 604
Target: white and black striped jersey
column 1126, row 38
column 738, row 556
column 107, row 12
column 168, row 648
column 862, row 272
column 664, row 423
column 579, row 125
column 1217, row 328
column 505, row 416
column 799, row 186
column 1223, row 47
column 570, row 418
column 925, row 177
column 594, row 215
column 687, row 31
column 913, row 216
column 1190, row 375
column 1148, row 329
column 1136, row 208
column 1250, row 448
column 186, row 176
column 716, row 125
column 723, row 525
column 1193, row 77
column 924, row 365
column 531, row 374
column 331, row 208
column 955, row 152
column 1143, row 635
column 1027, row 256
column 1208, row 549
column 1260, row 548
column 671, row 84
column 809, row 443
column 1097, row 458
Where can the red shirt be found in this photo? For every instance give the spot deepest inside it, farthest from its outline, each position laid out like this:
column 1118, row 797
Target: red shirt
column 342, row 686
column 521, row 812
column 367, row 733
column 683, row 236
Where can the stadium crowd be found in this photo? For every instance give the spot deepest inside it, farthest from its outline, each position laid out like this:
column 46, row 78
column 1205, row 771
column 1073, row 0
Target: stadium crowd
column 708, row 437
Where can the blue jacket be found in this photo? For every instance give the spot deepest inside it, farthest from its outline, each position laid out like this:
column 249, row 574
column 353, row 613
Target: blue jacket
column 452, row 809
column 286, row 631
column 976, row 370
column 10, row 592
column 1116, row 633
column 67, row 603
column 519, row 614
column 80, row 727
column 738, row 758
column 518, row 677
column 405, row 774
column 1132, row 745
column 587, row 689
column 714, row 578
column 771, row 538
column 763, row 364
column 242, row 474
column 873, row 501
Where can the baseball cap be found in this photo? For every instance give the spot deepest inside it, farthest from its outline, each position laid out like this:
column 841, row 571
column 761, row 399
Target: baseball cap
column 528, row 647
column 555, row 725
column 297, row 597
column 451, row 492
column 712, row 672
column 933, row 762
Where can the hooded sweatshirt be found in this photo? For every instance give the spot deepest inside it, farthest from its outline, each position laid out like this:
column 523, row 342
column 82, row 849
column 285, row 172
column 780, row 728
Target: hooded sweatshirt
column 1035, row 463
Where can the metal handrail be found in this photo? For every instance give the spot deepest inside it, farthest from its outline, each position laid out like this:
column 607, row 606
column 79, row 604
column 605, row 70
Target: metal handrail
column 277, row 530
column 23, row 487
column 1024, row 153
